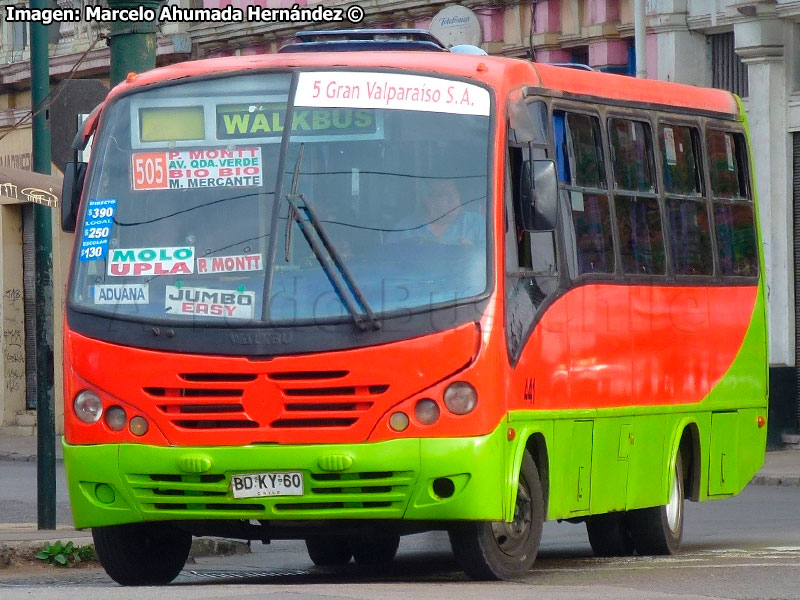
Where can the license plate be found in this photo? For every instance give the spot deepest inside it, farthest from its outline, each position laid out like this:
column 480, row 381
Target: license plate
column 254, row 485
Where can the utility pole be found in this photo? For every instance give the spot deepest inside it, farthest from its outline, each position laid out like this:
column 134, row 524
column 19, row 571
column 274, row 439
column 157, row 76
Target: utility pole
column 640, row 38
column 45, row 408
column 133, row 45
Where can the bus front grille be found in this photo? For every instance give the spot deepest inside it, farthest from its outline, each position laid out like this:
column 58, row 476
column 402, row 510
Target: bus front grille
column 278, row 405
column 326, row 494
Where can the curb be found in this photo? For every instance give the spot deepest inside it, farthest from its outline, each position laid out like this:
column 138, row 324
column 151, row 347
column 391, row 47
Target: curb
column 779, row 480
column 14, row 457
column 13, row 552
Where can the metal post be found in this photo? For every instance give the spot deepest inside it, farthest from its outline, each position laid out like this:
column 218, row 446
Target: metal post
column 133, row 45
column 45, row 409
column 640, row 33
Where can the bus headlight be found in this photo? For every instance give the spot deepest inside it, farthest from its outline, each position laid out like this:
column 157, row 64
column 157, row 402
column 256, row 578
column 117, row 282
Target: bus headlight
column 138, row 426
column 426, row 411
column 116, row 418
column 398, row 421
column 460, row 398
column 88, row 407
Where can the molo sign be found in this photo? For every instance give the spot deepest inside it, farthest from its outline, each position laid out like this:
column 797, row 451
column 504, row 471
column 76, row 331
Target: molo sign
column 457, row 25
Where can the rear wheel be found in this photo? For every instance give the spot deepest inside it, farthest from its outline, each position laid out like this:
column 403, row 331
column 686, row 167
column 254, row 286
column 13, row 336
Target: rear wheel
column 375, row 551
column 142, row 553
column 609, row 534
column 658, row 530
column 500, row 550
column 327, row 551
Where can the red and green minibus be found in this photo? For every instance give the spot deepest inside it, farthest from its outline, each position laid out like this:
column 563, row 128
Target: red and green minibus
column 340, row 295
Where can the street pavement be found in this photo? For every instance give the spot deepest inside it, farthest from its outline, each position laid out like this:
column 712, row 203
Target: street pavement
column 781, row 468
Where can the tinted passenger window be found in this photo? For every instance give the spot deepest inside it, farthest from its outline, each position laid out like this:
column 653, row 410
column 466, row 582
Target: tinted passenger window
column 734, row 219
column 640, row 236
column 592, row 222
column 736, row 239
column 580, row 163
column 690, row 237
column 679, row 154
column 631, row 155
column 585, row 151
column 725, row 158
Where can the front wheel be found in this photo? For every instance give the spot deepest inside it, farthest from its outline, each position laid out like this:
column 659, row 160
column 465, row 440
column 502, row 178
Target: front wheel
column 658, row 530
column 375, row 551
column 329, row 551
column 500, row 550
column 142, row 553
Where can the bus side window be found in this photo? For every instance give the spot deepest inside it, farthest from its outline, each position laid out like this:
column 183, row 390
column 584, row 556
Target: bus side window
column 638, row 216
column 581, row 171
column 687, row 211
column 734, row 219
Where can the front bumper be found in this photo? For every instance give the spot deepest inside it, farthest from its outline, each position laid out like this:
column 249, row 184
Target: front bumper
column 112, row 484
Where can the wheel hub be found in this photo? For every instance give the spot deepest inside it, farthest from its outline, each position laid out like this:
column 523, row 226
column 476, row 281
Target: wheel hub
column 674, row 505
column 511, row 537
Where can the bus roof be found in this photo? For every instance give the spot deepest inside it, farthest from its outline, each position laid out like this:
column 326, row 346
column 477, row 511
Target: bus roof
column 503, row 74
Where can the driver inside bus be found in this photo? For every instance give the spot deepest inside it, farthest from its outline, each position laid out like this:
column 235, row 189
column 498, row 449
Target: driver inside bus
column 444, row 218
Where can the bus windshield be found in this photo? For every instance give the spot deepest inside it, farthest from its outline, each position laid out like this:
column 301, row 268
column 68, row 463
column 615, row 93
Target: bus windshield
column 198, row 202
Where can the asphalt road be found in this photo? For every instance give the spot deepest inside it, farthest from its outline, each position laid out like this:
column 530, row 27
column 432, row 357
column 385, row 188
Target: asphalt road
column 746, row 547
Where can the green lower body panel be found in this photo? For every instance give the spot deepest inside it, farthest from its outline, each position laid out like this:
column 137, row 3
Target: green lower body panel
column 113, row 484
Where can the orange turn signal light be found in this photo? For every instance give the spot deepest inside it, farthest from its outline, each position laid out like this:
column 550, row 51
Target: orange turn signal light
column 761, row 421
column 511, row 434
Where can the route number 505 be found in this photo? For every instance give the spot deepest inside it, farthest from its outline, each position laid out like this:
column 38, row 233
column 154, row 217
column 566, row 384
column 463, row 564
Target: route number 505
column 150, row 171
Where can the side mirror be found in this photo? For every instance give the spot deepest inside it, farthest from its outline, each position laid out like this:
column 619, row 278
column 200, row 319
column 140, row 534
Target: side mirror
column 538, row 195
column 74, row 175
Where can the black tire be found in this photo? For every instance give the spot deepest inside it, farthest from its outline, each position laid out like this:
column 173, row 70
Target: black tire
column 499, row 550
column 142, row 553
column 609, row 534
column 375, row 551
column 658, row 530
column 329, row 551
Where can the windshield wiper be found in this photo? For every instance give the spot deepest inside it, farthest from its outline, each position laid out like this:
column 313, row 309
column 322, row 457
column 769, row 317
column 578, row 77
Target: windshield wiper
column 330, row 261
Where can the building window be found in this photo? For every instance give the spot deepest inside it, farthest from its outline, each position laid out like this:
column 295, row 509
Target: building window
column 728, row 72
column 796, row 52
column 19, row 36
column 580, row 55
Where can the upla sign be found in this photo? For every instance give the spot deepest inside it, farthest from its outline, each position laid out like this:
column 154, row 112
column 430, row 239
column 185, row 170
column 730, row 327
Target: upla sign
column 456, row 25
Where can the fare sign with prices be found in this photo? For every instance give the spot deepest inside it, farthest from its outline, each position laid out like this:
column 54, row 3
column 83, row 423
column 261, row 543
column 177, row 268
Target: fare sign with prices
column 233, row 304
column 97, row 228
column 125, row 262
column 256, row 485
column 351, row 89
column 194, row 169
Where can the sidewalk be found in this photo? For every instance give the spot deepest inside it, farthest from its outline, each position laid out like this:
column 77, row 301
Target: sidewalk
column 23, row 448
